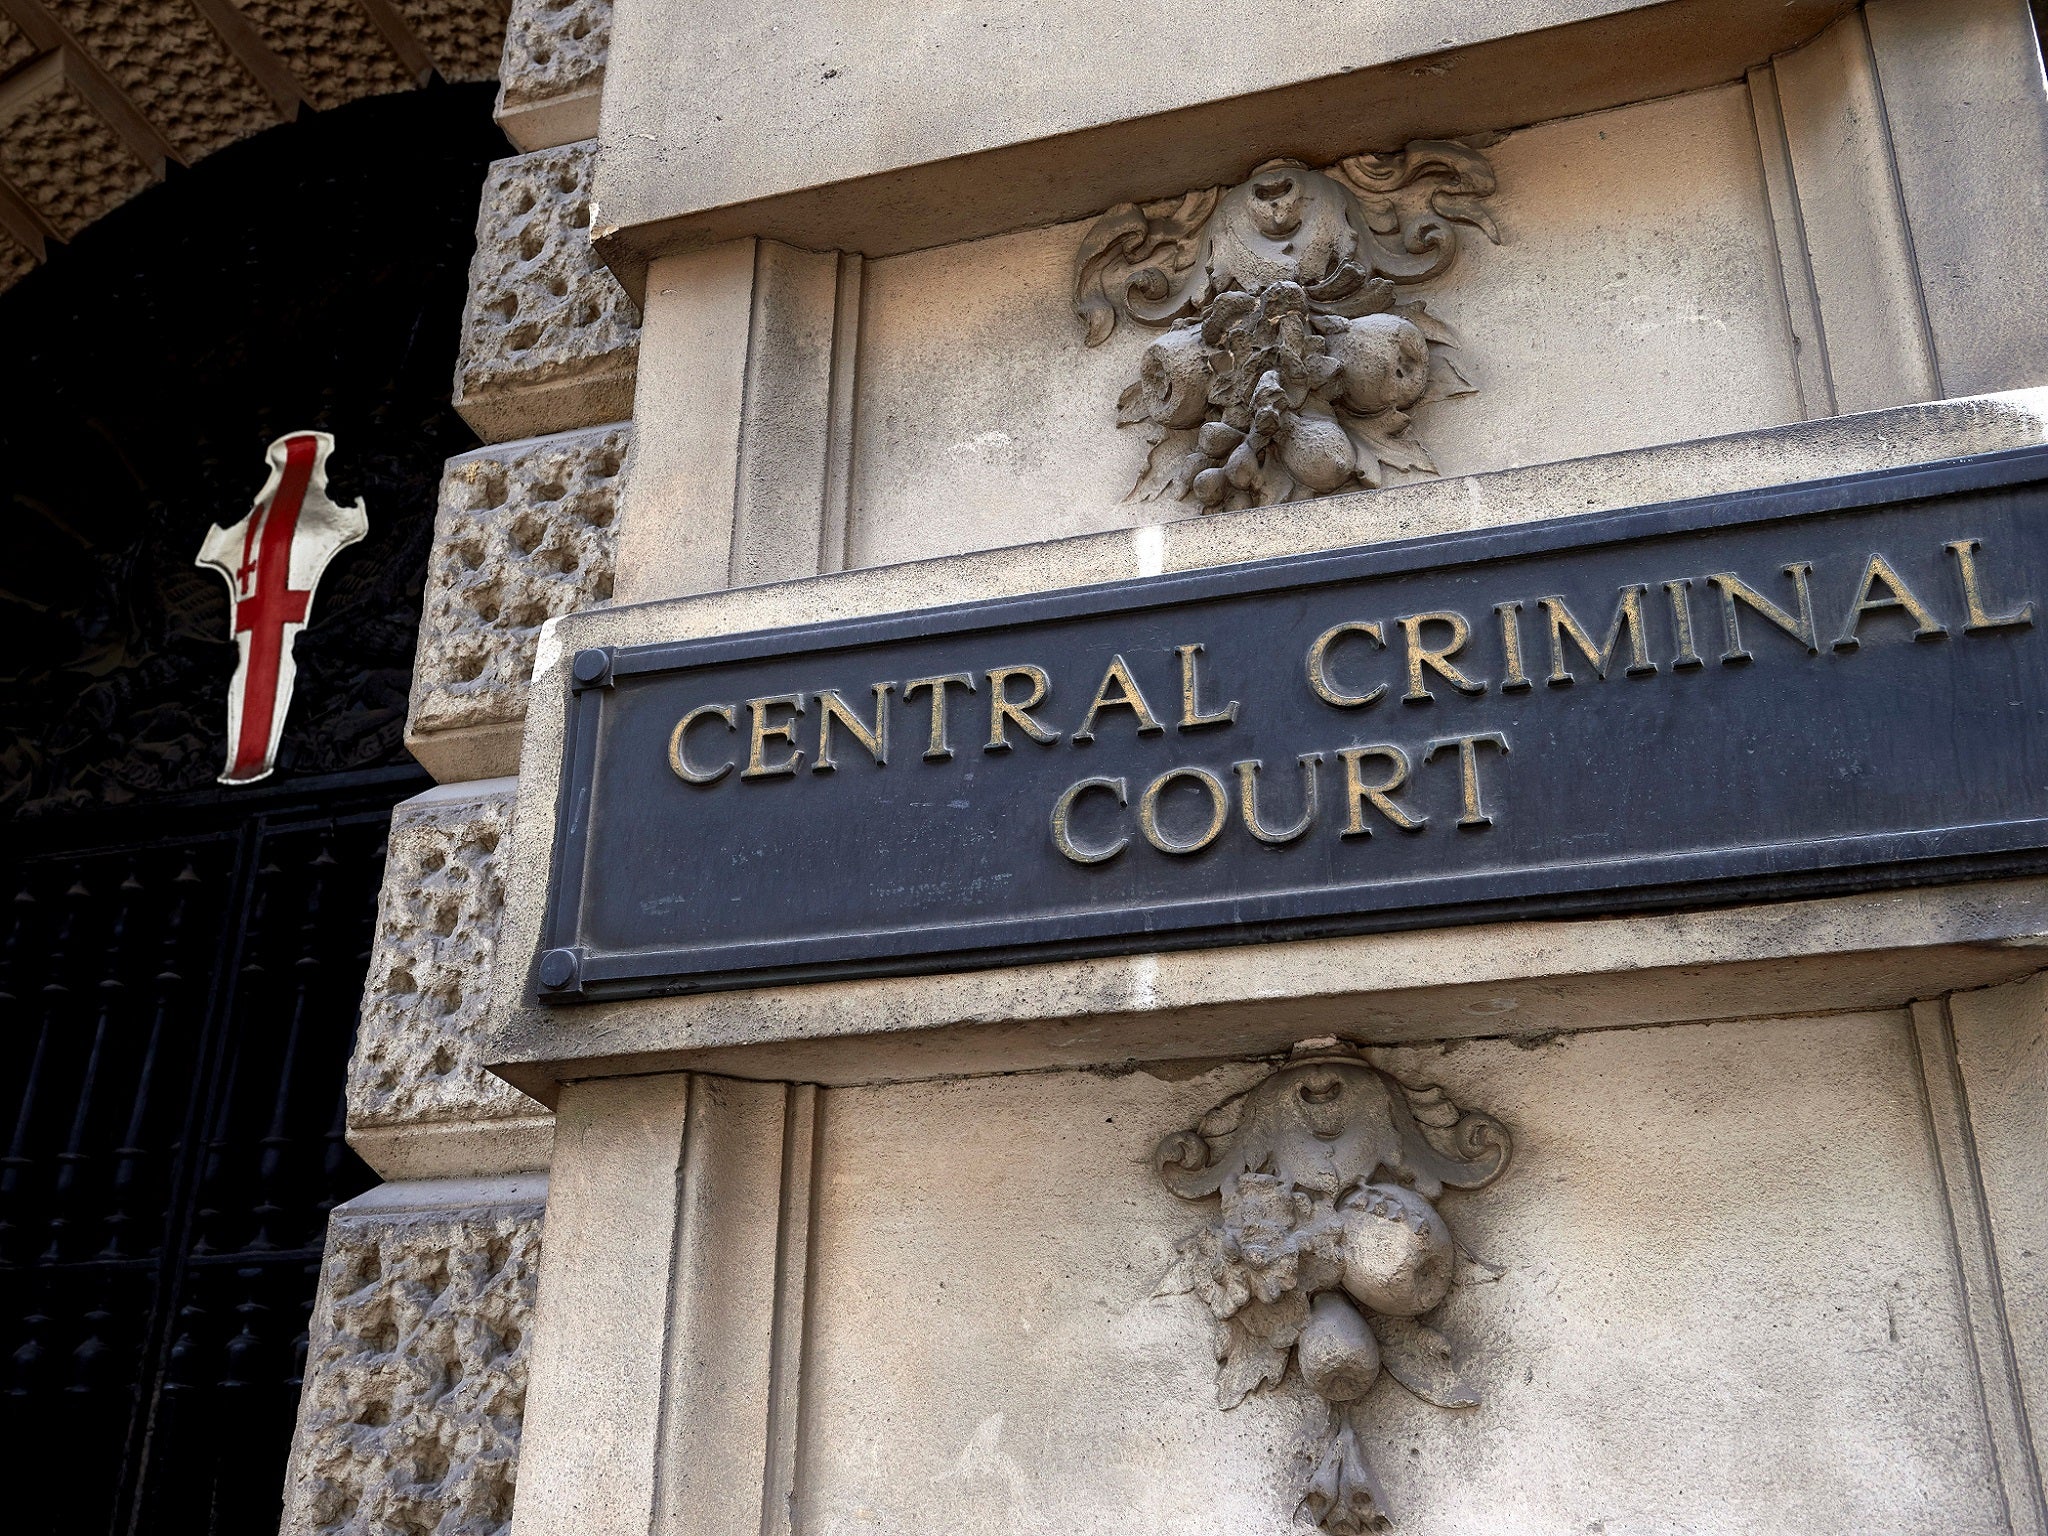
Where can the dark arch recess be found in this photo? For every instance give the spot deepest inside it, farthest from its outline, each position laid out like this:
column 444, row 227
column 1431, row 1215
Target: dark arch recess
column 312, row 276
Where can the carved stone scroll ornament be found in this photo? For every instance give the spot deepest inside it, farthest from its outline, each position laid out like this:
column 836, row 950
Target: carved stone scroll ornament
column 1288, row 368
column 1328, row 1247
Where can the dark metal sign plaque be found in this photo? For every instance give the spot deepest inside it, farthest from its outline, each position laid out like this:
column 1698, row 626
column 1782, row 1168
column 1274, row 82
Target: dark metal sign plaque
column 1827, row 687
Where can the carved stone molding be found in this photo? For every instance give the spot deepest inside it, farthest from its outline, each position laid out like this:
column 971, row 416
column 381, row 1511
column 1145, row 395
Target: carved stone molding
column 1289, row 365
column 1328, row 1249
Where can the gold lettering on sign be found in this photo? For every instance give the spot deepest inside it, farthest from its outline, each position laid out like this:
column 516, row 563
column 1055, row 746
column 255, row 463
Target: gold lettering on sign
column 1681, row 623
column 1148, row 810
column 940, row 748
column 1248, row 799
column 1319, row 662
column 1062, row 816
column 679, row 748
column 1358, row 793
column 758, row 767
column 1436, row 657
column 1734, row 588
column 1192, row 716
column 832, row 707
column 1127, row 696
column 1004, row 712
column 1628, row 615
column 1877, row 569
column 1468, row 770
column 1516, row 681
column 1965, row 551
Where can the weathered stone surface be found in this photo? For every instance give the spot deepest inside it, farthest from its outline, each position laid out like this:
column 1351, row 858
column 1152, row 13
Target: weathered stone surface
column 464, row 38
column 416, row 1061
column 525, row 533
column 59, row 150
column 416, row 1371
column 332, row 46
column 16, row 262
column 553, row 70
column 15, row 47
column 549, row 338
column 174, row 67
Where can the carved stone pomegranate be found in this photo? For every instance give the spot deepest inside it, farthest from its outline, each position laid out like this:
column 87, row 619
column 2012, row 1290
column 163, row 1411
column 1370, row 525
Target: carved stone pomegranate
column 1398, row 1254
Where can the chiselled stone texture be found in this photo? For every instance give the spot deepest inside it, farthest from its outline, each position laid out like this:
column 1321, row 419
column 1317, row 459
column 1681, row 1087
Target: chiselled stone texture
column 549, row 338
column 416, row 1371
column 430, row 968
column 16, row 262
column 60, row 152
column 174, row 67
column 15, row 48
column 553, row 69
column 331, row 46
column 464, row 38
column 525, row 534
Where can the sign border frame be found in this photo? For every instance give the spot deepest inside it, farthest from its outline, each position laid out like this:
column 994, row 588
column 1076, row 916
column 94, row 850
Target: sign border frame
column 1706, row 878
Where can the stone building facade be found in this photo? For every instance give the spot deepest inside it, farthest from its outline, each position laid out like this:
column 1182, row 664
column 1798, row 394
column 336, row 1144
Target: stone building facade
column 871, row 328
column 1725, row 1217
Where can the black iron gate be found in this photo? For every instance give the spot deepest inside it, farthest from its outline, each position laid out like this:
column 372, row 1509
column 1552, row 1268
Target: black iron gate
column 177, row 1004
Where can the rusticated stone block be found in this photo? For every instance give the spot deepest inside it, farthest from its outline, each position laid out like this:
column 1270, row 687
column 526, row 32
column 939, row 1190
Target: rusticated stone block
column 16, row 262
column 15, row 48
column 60, row 151
column 416, row 1367
column 332, row 46
column 553, row 71
column 464, row 38
column 419, row 1100
column 525, row 534
column 174, row 67
column 549, row 338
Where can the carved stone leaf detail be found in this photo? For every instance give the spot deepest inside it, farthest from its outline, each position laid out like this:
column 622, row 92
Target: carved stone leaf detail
column 1327, row 1253
column 1163, row 464
column 1252, row 1346
column 1420, row 1358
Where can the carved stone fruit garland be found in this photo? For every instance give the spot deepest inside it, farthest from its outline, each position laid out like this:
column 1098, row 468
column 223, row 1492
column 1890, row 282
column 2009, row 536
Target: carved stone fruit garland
column 1288, row 369
column 1328, row 1247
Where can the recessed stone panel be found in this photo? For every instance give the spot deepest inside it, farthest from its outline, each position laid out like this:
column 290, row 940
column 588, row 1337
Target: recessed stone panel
column 525, row 533
column 332, row 46
column 553, row 70
column 175, row 68
column 15, row 47
column 549, row 338
column 16, row 262
column 1717, row 1247
column 60, row 150
column 464, row 38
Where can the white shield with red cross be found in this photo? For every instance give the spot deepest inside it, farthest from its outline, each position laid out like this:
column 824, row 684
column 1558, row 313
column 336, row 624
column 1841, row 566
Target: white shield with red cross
column 272, row 560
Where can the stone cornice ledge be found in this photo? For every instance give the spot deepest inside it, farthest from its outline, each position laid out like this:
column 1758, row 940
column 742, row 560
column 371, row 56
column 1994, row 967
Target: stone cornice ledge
column 950, row 123
column 1869, row 951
